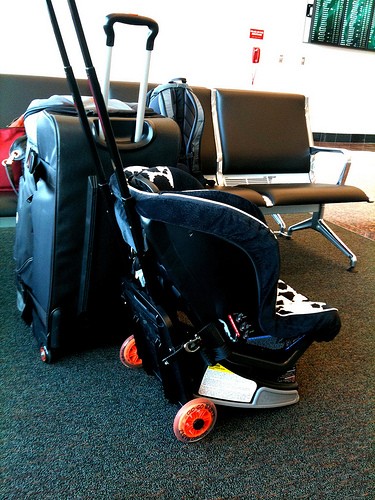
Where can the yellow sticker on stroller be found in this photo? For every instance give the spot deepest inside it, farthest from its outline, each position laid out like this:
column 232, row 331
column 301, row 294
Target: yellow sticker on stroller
column 220, row 383
column 219, row 368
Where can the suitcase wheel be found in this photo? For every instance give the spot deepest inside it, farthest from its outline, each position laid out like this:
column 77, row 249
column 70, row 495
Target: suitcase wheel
column 129, row 354
column 45, row 354
column 194, row 420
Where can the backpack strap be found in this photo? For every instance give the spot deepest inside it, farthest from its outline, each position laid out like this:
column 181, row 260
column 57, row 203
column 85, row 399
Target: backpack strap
column 162, row 96
column 194, row 141
column 166, row 107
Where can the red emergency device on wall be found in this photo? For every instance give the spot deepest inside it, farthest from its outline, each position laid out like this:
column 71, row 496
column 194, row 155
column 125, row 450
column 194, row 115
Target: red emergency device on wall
column 256, row 55
column 255, row 60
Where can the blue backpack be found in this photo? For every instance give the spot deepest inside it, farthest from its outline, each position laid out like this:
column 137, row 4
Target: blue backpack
column 177, row 100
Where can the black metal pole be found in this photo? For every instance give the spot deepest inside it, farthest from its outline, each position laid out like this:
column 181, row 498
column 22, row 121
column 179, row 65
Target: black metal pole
column 74, row 89
column 127, row 200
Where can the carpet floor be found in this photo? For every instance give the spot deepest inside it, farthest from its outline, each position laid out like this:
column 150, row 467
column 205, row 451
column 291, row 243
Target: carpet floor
column 86, row 427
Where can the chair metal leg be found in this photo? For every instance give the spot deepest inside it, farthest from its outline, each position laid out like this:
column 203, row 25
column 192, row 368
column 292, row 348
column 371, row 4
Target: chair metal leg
column 280, row 221
column 316, row 222
column 305, row 224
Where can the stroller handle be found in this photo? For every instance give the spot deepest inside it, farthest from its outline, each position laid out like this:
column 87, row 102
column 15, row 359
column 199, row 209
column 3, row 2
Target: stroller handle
column 132, row 19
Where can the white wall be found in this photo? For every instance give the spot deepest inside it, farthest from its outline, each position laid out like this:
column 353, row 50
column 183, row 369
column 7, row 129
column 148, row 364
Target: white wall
column 208, row 42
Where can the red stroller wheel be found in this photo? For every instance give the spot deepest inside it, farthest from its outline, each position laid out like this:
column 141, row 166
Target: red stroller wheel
column 45, row 354
column 129, row 354
column 194, row 420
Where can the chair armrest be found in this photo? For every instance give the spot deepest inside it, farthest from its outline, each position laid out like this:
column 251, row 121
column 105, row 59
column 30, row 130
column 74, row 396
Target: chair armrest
column 347, row 159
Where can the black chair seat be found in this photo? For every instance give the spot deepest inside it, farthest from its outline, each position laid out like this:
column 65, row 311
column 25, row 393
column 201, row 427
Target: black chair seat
column 308, row 193
column 246, row 192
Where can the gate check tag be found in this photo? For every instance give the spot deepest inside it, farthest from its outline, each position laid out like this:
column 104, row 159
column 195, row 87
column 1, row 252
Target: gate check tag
column 220, row 383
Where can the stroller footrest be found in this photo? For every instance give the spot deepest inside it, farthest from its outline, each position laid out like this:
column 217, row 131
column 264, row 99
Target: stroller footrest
column 226, row 388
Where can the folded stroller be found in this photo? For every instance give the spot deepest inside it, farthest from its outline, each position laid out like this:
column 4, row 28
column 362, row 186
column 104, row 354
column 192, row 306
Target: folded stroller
column 212, row 320
column 210, row 317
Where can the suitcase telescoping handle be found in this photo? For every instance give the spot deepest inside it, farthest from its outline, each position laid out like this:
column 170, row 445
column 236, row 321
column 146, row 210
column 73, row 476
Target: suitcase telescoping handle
column 134, row 20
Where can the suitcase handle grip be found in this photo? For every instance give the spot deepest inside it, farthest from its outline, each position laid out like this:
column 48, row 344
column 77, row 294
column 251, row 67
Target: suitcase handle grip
column 132, row 19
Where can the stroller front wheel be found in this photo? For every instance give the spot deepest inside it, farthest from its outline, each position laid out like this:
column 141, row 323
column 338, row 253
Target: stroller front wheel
column 129, row 354
column 194, row 420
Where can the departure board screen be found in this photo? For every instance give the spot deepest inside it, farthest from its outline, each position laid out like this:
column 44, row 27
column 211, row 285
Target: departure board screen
column 343, row 23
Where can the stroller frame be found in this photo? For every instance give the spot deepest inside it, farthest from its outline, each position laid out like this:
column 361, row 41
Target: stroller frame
column 185, row 304
column 199, row 348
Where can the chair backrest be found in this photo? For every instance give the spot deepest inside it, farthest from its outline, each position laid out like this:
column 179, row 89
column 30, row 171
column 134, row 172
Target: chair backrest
column 261, row 133
column 17, row 91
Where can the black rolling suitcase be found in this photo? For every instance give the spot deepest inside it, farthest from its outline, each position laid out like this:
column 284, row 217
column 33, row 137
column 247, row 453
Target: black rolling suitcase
column 68, row 263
